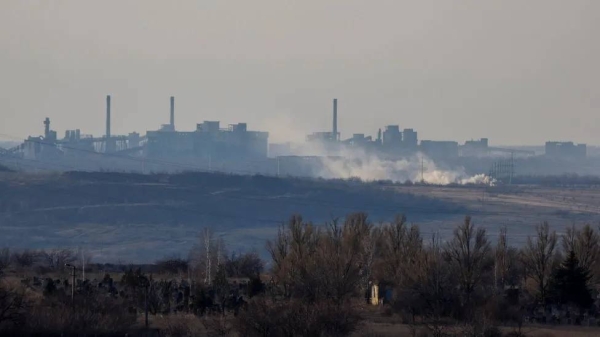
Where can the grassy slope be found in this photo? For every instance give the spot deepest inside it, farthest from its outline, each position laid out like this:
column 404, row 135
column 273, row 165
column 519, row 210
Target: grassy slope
column 144, row 217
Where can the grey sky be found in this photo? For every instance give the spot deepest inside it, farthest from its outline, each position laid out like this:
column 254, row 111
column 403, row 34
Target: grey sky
column 516, row 71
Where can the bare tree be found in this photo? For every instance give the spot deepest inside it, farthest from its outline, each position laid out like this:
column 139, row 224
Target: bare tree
column 57, row 258
column 280, row 252
column 588, row 247
column 26, row 258
column 206, row 255
column 293, row 253
column 538, row 256
column 399, row 249
column 434, row 291
column 584, row 243
column 370, row 251
column 244, row 265
column 500, row 264
column 469, row 255
column 569, row 239
column 507, row 267
column 343, row 257
column 304, row 241
column 313, row 265
column 12, row 306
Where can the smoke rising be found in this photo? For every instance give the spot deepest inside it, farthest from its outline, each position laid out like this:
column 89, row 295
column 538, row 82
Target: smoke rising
column 346, row 163
column 284, row 128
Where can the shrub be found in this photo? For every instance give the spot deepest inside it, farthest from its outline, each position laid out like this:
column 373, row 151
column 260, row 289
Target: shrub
column 93, row 314
column 179, row 325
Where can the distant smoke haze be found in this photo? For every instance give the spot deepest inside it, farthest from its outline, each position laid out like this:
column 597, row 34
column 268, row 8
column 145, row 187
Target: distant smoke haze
column 284, row 127
column 350, row 162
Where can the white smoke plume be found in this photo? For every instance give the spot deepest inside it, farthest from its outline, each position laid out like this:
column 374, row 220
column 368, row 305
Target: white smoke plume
column 357, row 163
column 283, row 127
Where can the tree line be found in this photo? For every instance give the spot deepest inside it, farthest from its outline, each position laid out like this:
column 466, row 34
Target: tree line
column 320, row 282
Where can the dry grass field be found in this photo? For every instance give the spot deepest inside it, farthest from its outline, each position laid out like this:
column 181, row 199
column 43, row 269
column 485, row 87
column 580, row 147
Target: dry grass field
column 139, row 219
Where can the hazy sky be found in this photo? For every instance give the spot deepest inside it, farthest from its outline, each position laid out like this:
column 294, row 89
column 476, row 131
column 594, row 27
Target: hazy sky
column 516, row 71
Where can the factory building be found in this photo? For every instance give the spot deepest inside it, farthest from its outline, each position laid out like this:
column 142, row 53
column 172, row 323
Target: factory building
column 78, row 145
column 329, row 141
column 232, row 143
column 392, row 137
column 392, row 142
column 321, row 136
column 475, row 148
column 234, row 147
column 327, row 136
column 565, row 150
column 360, row 140
column 409, row 139
column 74, row 142
column 170, row 144
column 440, row 149
column 210, row 141
column 41, row 147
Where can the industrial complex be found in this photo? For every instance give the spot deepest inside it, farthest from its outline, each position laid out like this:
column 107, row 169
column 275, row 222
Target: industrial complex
column 235, row 148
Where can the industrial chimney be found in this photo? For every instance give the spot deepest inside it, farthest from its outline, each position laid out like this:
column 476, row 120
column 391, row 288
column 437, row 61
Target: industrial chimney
column 108, row 116
column 172, row 113
column 47, row 128
column 335, row 128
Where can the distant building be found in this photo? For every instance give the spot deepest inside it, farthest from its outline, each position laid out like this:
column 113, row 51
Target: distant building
column 322, row 137
column 439, row 149
column 332, row 136
column 328, row 142
column 359, row 139
column 211, row 142
column 280, row 149
column 409, row 139
column 392, row 137
column 566, row 150
column 475, row 148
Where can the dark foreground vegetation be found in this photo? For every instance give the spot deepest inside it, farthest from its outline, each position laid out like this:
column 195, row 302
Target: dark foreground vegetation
column 322, row 280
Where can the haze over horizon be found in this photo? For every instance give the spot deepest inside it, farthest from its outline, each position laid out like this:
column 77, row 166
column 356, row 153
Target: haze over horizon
column 512, row 71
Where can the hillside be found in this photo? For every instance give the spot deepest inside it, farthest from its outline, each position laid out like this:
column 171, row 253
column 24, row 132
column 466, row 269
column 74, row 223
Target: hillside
column 144, row 217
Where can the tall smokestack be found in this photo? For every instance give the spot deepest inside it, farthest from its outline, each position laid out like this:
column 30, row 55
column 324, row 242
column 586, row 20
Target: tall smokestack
column 173, row 113
column 108, row 116
column 335, row 129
